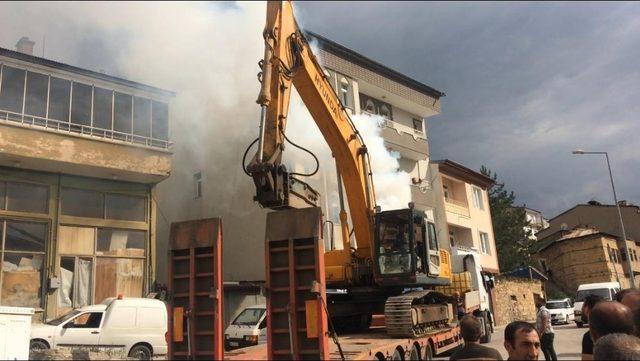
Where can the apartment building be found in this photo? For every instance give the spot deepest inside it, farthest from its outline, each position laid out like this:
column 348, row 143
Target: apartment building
column 402, row 105
column 466, row 202
column 80, row 155
column 586, row 254
column 536, row 220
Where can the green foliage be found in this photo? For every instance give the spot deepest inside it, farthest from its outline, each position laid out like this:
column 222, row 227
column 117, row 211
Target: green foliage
column 513, row 242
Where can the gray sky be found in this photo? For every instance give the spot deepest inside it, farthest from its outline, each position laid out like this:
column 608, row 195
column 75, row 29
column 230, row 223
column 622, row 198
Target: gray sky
column 526, row 83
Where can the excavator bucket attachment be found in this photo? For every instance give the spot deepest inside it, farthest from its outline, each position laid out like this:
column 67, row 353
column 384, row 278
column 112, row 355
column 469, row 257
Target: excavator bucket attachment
column 296, row 321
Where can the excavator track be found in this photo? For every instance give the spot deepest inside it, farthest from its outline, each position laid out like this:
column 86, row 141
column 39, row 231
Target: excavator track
column 401, row 316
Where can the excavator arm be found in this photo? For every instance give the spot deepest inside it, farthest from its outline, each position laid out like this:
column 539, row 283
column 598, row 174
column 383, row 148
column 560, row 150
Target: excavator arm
column 288, row 60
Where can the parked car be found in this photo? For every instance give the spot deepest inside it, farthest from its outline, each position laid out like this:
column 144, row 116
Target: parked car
column 138, row 324
column 247, row 329
column 561, row 311
column 606, row 290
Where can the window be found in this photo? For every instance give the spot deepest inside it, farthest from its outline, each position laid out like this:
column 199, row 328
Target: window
column 160, row 121
column 27, row 197
column 59, row 98
column 85, row 320
column 385, row 111
column 477, row 198
column 417, row 125
column 344, row 92
column 96, row 263
column 445, row 189
column 141, row 117
column 125, row 207
column 102, row 99
column 94, row 204
column 12, row 91
column 81, row 105
column 395, row 244
column 452, row 239
column 197, row 185
column 122, row 114
column 375, row 106
column 484, row 243
column 22, row 252
column 36, row 102
column 82, row 203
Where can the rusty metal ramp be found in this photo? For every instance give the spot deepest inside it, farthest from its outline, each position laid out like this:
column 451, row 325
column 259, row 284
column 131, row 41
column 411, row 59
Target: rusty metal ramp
column 195, row 286
column 297, row 323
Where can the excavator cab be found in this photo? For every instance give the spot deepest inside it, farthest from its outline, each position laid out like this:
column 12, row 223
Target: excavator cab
column 406, row 247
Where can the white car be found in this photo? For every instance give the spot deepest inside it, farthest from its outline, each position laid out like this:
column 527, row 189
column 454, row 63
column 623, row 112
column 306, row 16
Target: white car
column 561, row 311
column 139, row 325
column 248, row 329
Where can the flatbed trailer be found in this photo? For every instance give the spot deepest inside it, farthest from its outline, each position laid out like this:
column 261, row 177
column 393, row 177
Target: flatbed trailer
column 375, row 345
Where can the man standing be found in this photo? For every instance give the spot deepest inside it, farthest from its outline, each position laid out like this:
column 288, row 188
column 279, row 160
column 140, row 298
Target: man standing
column 521, row 341
column 471, row 330
column 543, row 325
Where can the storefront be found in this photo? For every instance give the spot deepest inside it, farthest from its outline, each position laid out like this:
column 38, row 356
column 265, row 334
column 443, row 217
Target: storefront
column 70, row 241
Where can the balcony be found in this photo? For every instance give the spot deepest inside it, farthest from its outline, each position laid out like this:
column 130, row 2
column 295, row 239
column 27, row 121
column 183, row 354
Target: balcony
column 457, row 207
column 410, row 143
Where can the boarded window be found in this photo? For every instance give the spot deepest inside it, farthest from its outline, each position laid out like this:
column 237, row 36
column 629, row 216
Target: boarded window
column 142, row 117
column 12, row 92
column 23, row 257
column 125, row 207
column 82, row 203
column 160, row 129
column 102, row 99
column 25, row 197
column 76, row 240
column 118, row 276
column 36, row 103
column 118, row 242
column 81, row 104
column 59, row 97
column 122, row 114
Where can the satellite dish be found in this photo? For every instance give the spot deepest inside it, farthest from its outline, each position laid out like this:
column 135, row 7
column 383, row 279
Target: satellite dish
column 564, row 227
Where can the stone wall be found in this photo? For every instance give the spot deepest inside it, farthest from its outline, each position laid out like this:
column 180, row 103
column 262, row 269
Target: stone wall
column 514, row 299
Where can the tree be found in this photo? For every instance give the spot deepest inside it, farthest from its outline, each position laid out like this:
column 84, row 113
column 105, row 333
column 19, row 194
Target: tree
column 513, row 241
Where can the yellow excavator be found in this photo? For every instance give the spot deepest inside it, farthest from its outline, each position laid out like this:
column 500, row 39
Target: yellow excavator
column 397, row 250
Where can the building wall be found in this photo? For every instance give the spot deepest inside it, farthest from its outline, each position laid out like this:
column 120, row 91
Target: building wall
column 463, row 213
column 514, row 299
column 573, row 262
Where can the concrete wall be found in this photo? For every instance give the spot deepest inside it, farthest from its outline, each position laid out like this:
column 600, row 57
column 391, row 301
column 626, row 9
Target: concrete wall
column 514, row 299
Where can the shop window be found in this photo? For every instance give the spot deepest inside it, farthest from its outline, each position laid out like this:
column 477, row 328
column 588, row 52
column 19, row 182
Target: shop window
column 118, row 256
column 22, row 263
column 122, row 114
column 59, row 98
column 12, row 91
column 160, row 121
column 125, row 207
column 36, row 102
column 81, row 105
column 102, row 99
column 142, row 117
column 25, row 197
column 82, row 203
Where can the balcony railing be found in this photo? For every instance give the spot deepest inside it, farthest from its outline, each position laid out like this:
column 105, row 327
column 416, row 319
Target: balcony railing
column 456, row 207
column 400, row 128
column 28, row 121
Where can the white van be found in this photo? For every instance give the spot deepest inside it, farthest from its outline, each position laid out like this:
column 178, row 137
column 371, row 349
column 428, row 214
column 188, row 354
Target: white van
column 139, row 325
column 606, row 290
column 248, row 329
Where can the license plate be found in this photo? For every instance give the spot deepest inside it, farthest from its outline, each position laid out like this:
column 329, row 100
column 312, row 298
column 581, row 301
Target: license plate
column 234, row 343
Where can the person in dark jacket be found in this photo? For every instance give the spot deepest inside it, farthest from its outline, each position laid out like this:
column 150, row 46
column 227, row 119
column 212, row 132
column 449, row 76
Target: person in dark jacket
column 471, row 330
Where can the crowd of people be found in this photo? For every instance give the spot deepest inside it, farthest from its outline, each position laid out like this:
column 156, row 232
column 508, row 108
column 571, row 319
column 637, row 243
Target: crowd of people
column 614, row 332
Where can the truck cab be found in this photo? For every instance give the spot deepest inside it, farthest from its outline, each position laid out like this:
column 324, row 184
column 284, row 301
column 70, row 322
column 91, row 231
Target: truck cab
column 249, row 328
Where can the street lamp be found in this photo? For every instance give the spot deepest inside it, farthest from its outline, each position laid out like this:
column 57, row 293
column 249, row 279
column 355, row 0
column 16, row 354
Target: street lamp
column 615, row 199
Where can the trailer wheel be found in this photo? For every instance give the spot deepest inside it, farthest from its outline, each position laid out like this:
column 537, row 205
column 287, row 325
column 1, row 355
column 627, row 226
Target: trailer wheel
column 414, row 354
column 484, row 320
column 398, row 354
column 427, row 352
